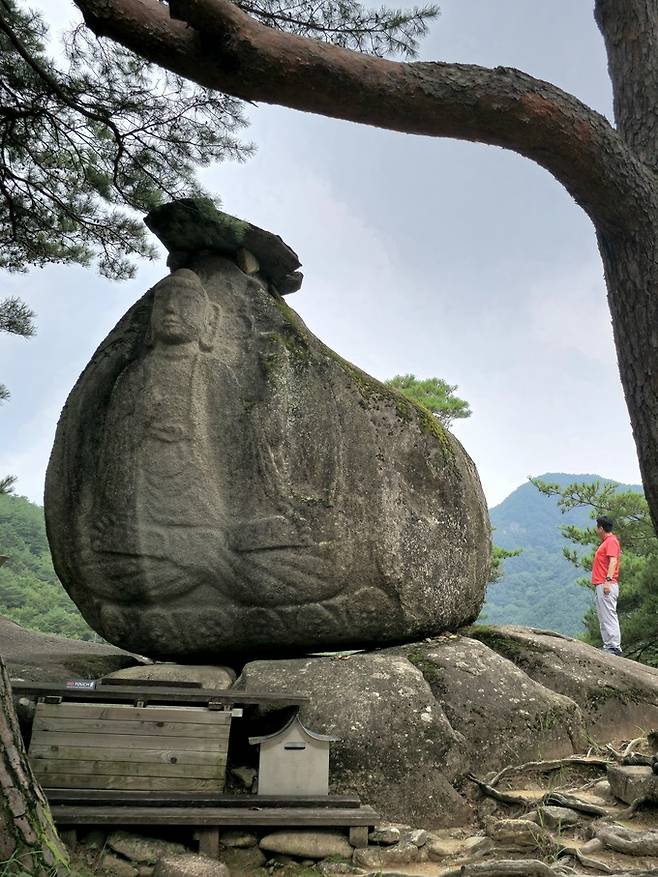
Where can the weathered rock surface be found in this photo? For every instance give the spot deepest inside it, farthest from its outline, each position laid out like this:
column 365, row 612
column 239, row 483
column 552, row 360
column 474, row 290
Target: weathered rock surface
column 504, row 716
column 41, row 657
column 222, row 484
column 617, row 696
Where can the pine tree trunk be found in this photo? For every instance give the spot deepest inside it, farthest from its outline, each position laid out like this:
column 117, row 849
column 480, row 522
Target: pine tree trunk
column 28, row 841
column 630, row 260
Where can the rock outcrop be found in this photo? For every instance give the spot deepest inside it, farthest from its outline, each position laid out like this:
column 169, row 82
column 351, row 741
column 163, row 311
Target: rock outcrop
column 619, row 697
column 414, row 720
column 40, row 657
column 224, row 486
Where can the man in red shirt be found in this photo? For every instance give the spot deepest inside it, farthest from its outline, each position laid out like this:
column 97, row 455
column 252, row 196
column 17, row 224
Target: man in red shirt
column 605, row 578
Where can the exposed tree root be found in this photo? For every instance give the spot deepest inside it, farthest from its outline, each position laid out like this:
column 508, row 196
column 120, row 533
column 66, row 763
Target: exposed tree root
column 559, row 799
column 630, row 810
column 624, row 840
column 531, row 868
column 551, row 765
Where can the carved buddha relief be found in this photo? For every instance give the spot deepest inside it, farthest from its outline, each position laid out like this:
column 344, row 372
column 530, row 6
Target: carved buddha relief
column 223, row 483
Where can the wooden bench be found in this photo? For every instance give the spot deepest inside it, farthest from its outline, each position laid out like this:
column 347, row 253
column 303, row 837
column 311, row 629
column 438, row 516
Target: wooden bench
column 155, row 755
column 208, row 814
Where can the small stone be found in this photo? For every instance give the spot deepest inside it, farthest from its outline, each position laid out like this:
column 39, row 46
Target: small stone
column 477, row 844
column 190, row 865
column 557, row 817
column 145, row 871
column 384, row 835
column 403, row 853
column 245, row 776
column 117, row 866
column 337, row 869
column 629, row 782
column 241, row 859
column 443, row 847
column 520, row 833
column 418, row 837
column 144, row 850
column 239, row 839
column 307, row 844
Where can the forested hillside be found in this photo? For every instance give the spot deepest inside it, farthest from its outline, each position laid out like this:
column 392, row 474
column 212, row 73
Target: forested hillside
column 30, row 592
column 538, row 588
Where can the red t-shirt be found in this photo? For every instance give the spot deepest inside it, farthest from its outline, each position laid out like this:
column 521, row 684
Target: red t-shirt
column 608, row 548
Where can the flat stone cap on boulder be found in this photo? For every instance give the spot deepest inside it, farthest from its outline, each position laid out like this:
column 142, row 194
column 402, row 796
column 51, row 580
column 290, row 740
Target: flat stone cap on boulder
column 194, row 225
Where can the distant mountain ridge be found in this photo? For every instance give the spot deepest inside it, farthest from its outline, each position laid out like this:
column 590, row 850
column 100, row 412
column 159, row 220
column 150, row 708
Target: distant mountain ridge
column 538, row 588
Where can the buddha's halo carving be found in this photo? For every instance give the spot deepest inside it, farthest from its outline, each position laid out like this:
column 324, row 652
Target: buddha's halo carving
column 222, row 483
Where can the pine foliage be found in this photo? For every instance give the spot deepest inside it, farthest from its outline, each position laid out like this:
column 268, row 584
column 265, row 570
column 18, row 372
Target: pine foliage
column 83, row 140
column 434, row 394
column 86, row 142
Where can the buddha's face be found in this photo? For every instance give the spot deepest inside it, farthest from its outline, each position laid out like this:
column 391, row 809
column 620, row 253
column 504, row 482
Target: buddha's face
column 179, row 311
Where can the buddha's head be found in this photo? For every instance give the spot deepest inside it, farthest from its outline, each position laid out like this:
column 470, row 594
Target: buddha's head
column 182, row 313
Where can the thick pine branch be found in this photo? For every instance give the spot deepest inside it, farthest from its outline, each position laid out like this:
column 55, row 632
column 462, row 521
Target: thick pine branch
column 630, row 31
column 219, row 46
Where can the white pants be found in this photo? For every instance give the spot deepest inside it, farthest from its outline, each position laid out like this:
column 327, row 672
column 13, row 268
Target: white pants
column 606, row 609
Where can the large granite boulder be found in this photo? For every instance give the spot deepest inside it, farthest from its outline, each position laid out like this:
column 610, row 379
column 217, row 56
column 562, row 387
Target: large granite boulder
column 223, row 485
column 618, row 697
column 414, row 720
column 396, row 748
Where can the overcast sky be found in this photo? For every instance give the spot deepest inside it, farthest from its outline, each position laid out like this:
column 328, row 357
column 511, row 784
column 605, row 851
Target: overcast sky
column 429, row 256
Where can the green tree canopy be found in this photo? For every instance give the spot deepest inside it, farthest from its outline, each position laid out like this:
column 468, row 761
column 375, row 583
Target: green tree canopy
column 638, row 588
column 86, row 142
column 434, row 394
column 15, row 318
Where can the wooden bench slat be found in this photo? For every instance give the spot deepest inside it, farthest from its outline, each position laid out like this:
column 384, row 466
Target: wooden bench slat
column 135, row 726
column 131, row 694
column 46, row 768
column 77, row 781
column 128, row 741
column 184, row 799
column 142, row 756
column 116, row 711
column 64, row 814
